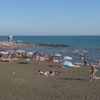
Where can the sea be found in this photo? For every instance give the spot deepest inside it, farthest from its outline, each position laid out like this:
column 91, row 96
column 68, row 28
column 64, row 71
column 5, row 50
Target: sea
column 88, row 45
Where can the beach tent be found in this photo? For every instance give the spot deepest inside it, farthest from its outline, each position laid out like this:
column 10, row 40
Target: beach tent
column 67, row 58
column 67, row 63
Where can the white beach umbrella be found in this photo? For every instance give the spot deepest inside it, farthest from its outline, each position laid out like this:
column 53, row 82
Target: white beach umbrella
column 57, row 54
column 67, row 58
column 4, row 53
column 30, row 53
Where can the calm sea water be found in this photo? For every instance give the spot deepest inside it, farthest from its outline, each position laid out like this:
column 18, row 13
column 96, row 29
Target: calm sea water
column 89, row 45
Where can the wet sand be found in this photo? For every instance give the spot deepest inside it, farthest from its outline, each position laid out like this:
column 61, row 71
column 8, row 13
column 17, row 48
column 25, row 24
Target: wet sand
column 20, row 81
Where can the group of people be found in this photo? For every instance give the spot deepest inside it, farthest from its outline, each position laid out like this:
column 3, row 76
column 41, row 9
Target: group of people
column 92, row 67
column 52, row 73
column 48, row 73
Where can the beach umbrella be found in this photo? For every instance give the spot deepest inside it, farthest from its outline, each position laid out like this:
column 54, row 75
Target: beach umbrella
column 67, row 63
column 67, row 58
column 4, row 44
column 30, row 53
column 42, row 54
column 4, row 53
column 58, row 55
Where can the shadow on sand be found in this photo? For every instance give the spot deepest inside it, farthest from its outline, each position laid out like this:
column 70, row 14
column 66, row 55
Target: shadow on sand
column 80, row 79
column 23, row 62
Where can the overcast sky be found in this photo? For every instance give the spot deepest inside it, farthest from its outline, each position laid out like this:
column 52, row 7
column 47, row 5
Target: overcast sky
column 50, row 17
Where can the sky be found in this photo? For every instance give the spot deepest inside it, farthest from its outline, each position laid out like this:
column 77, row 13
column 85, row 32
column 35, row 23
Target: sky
column 50, row 17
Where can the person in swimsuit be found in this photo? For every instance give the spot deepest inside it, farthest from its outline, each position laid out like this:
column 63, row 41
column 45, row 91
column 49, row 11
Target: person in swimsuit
column 92, row 72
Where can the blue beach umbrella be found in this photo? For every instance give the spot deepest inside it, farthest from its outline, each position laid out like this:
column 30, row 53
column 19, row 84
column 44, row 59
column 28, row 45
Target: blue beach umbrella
column 67, row 64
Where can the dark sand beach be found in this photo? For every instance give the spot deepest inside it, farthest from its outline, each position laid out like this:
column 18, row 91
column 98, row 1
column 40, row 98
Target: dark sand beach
column 20, row 81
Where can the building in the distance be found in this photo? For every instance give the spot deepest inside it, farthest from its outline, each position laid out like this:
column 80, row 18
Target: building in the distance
column 10, row 38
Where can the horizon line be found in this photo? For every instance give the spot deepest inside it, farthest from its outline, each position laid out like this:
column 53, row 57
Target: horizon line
column 49, row 35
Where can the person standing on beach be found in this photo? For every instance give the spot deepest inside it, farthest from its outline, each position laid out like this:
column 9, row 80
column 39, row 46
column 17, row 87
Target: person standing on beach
column 81, row 56
column 99, row 61
column 92, row 72
column 85, row 62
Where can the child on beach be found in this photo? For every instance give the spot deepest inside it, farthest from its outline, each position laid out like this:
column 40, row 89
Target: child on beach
column 92, row 72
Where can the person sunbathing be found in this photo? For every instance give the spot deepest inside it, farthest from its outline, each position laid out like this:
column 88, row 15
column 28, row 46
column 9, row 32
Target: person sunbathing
column 49, row 73
column 45, row 73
